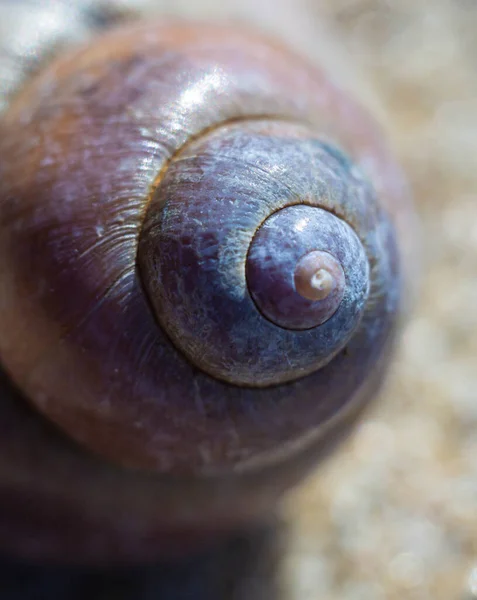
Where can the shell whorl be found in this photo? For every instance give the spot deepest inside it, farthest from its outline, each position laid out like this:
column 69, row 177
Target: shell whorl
column 224, row 234
column 121, row 185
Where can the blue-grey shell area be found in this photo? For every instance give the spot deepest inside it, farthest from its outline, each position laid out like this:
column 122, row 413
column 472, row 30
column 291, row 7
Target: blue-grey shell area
column 82, row 148
column 198, row 233
column 298, row 235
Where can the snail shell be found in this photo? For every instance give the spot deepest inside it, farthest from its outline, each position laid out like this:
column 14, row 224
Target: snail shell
column 200, row 241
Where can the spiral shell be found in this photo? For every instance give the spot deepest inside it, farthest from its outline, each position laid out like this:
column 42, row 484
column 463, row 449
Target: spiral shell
column 198, row 249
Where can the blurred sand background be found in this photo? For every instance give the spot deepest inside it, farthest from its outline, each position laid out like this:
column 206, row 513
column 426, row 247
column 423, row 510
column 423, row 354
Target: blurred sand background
column 394, row 513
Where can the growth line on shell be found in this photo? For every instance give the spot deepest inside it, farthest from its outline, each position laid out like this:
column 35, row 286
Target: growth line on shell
column 206, row 131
